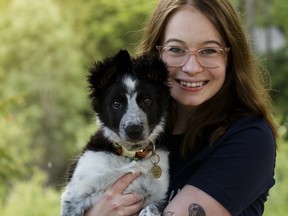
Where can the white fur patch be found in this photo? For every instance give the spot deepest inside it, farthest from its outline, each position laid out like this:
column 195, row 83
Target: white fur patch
column 97, row 171
column 130, row 84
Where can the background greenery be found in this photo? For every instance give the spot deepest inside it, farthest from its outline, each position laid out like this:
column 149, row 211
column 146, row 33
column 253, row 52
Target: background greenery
column 45, row 117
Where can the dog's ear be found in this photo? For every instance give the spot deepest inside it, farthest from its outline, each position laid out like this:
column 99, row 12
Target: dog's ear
column 159, row 71
column 151, row 67
column 103, row 73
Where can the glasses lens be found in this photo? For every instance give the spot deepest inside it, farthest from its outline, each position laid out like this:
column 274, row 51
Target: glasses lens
column 210, row 57
column 173, row 60
column 174, row 56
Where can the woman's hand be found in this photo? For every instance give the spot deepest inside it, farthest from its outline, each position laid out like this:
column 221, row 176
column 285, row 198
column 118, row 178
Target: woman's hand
column 113, row 202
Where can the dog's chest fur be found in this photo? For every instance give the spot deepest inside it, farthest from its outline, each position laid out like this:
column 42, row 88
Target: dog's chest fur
column 97, row 171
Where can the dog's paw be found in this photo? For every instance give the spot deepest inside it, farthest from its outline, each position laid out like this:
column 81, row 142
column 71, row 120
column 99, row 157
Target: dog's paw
column 150, row 210
column 137, row 169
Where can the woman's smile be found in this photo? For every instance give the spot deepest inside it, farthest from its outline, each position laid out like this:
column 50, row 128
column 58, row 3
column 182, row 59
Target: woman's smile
column 192, row 84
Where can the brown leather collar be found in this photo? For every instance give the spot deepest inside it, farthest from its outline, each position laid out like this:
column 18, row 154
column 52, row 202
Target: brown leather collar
column 134, row 155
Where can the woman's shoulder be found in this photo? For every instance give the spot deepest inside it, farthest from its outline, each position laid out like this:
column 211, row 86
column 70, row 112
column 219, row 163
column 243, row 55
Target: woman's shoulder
column 245, row 151
column 252, row 124
column 255, row 120
column 250, row 132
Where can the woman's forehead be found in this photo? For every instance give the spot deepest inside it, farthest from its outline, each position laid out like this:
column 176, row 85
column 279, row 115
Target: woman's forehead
column 191, row 27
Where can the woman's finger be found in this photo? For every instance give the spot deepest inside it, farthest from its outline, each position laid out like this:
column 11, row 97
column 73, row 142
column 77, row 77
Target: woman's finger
column 123, row 182
column 133, row 209
column 114, row 202
column 133, row 198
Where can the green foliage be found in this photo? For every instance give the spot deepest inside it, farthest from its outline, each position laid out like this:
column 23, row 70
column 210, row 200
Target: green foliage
column 279, row 13
column 106, row 26
column 278, row 199
column 278, row 67
column 15, row 141
column 41, row 64
column 31, row 198
column 46, row 48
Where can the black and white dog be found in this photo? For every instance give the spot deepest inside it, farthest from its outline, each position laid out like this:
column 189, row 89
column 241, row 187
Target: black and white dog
column 130, row 97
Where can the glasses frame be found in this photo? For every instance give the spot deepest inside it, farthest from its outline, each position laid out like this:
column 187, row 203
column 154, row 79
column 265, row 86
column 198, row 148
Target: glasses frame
column 191, row 52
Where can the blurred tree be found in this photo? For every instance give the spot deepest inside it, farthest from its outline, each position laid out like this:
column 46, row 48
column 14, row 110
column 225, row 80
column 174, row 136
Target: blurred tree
column 106, row 26
column 14, row 143
column 41, row 65
column 278, row 67
column 32, row 198
column 278, row 198
column 46, row 47
column 279, row 10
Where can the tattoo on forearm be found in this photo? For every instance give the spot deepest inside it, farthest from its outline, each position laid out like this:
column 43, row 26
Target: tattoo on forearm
column 196, row 210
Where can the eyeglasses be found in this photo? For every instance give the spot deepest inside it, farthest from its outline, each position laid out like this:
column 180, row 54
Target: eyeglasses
column 210, row 57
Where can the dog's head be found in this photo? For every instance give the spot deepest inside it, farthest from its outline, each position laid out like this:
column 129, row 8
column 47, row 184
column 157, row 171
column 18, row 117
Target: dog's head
column 130, row 97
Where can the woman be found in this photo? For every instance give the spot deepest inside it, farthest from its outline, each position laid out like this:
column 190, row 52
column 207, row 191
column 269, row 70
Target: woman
column 223, row 135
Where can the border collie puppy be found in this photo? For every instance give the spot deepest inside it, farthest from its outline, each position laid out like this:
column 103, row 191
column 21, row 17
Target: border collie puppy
column 130, row 98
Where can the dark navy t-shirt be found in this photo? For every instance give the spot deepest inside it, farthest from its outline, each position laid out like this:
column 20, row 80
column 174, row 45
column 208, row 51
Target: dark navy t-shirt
column 237, row 170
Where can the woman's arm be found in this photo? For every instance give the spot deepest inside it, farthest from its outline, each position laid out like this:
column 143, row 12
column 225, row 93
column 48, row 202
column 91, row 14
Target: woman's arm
column 114, row 202
column 191, row 201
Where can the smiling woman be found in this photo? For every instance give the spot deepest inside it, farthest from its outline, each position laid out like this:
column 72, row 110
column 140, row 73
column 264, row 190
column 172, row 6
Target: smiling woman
column 220, row 111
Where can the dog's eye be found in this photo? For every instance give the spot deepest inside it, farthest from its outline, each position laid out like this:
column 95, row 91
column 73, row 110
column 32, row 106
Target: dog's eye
column 116, row 105
column 146, row 102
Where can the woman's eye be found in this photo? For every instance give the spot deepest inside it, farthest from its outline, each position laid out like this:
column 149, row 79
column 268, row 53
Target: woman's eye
column 176, row 50
column 116, row 105
column 208, row 52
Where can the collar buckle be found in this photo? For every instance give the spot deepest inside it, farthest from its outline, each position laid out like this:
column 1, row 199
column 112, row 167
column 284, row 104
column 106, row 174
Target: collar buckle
column 135, row 155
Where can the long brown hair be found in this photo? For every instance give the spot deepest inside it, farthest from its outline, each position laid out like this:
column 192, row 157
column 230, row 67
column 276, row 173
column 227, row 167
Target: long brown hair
column 245, row 91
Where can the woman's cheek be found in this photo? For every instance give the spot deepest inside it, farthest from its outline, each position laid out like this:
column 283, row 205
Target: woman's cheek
column 171, row 79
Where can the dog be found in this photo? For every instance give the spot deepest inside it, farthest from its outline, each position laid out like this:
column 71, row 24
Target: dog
column 130, row 97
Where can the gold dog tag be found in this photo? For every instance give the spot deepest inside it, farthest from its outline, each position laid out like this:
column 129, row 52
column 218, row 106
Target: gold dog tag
column 156, row 171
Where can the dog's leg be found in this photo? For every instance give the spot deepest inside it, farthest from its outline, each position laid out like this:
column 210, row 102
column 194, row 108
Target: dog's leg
column 75, row 205
column 71, row 208
column 150, row 210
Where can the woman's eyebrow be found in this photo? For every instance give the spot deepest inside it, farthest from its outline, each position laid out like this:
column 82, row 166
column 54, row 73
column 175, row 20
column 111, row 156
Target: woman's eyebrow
column 212, row 42
column 174, row 40
column 204, row 43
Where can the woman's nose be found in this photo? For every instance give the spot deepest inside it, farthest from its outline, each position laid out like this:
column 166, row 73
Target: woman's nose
column 192, row 65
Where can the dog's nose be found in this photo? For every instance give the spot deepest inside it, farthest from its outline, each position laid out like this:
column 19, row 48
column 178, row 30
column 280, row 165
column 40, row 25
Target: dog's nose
column 134, row 132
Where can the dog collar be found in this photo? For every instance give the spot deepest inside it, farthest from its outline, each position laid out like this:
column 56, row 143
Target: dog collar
column 156, row 170
column 135, row 155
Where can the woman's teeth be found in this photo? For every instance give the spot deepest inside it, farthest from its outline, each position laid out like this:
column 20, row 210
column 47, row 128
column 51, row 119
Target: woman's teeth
column 192, row 84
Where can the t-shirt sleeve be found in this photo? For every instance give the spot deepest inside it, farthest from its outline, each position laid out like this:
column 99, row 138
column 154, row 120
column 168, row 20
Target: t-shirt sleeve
column 241, row 167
